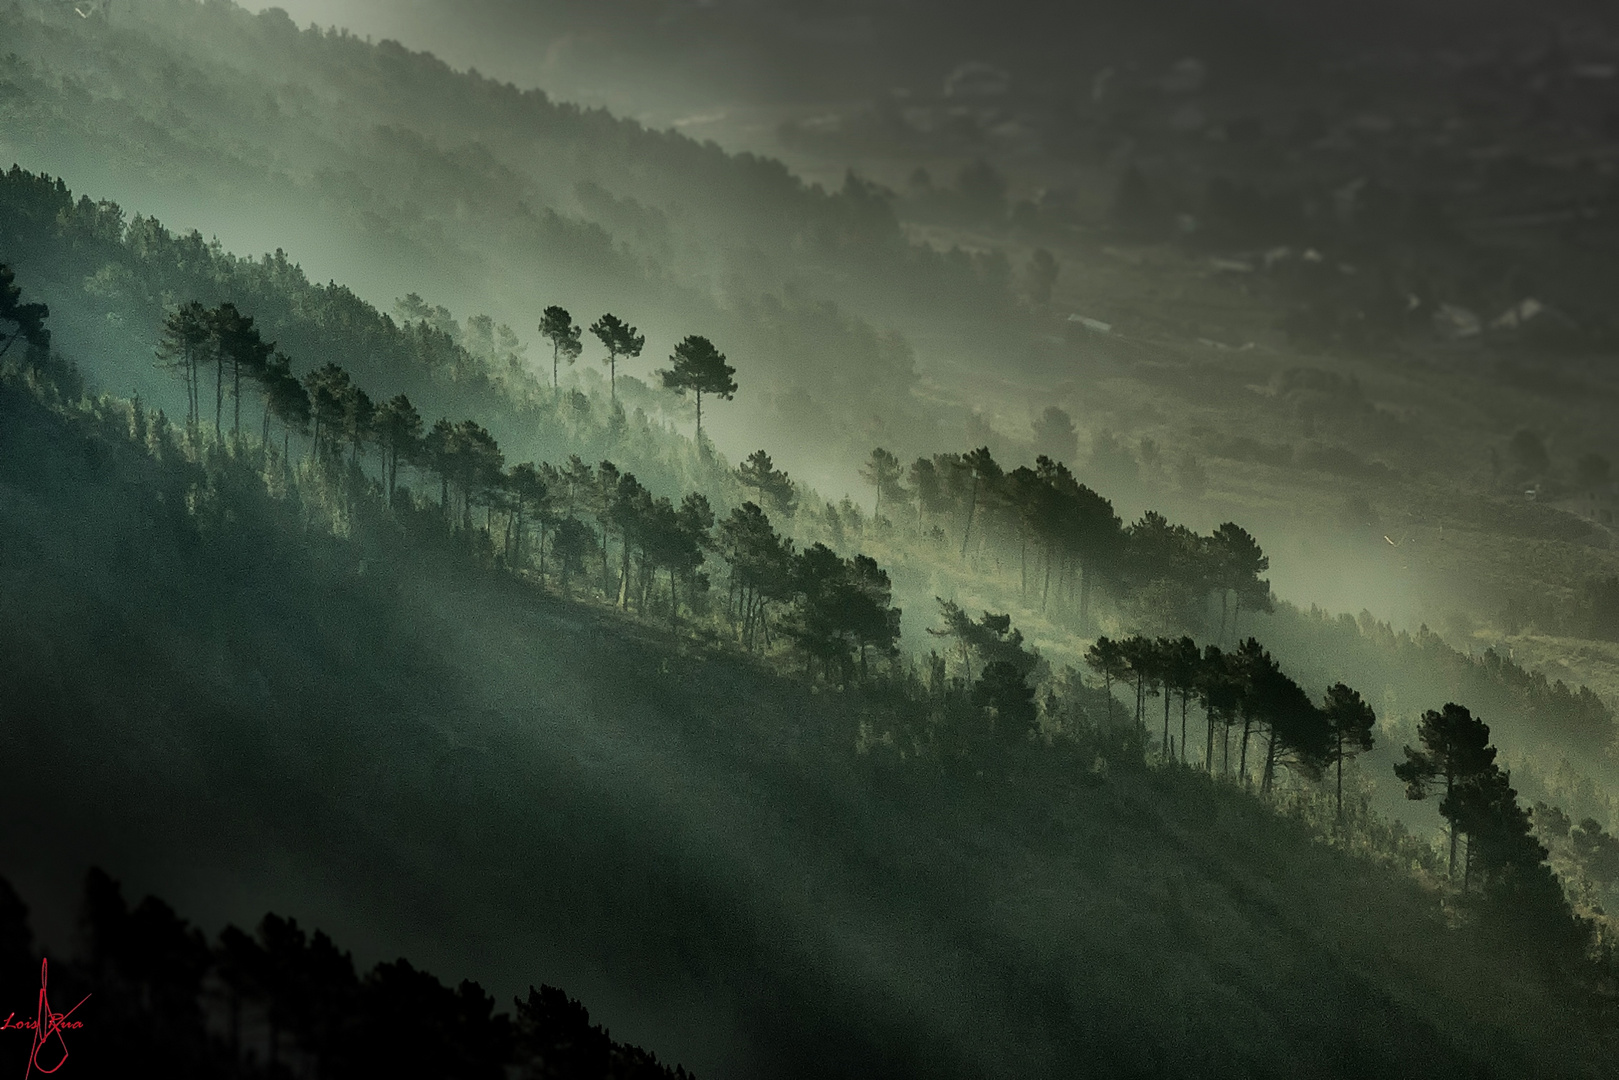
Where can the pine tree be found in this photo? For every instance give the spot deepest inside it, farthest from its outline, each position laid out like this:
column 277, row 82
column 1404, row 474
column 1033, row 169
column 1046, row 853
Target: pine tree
column 619, row 339
column 558, row 327
column 701, row 368
column 1455, row 751
column 398, row 428
column 185, row 334
column 1350, row 722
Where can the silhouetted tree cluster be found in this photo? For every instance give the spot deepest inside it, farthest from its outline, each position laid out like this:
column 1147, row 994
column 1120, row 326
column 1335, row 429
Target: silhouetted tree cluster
column 1456, row 762
column 772, row 487
column 1244, row 688
column 282, row 1001
column 27, row 320
column 1068, row 539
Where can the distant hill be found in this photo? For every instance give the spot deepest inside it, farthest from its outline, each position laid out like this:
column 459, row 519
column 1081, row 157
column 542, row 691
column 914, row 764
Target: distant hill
column 404, row 175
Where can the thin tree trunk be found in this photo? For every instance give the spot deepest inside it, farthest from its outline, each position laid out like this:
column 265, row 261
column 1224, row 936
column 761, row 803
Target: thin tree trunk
column 1208, row 750
column 1340, row 776
column 1270, row 762
column 972, row 507
column 1449, row 784
column 1183, row 729
column 1242, row 762
column 624, row 578
column 1163, row 747
column 1045, row 592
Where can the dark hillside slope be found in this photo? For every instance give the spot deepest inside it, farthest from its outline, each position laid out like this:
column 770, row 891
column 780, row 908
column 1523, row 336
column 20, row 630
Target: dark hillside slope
column 234, row 713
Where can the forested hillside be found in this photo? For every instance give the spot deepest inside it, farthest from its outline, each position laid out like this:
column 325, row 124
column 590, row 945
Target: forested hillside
column 403, row 176
column 458, row 719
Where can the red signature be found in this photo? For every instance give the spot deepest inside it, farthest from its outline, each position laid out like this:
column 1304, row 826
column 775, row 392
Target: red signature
column 45, row 1025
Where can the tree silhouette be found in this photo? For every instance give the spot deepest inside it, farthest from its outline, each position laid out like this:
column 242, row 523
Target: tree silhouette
column 184, row 336
column 692, row 537
column 289, row 401
column 1350, row 722
column 478, row 463
column 358, row 414
column 237, row 343
column 619, row 339
column 531, row 492
column 1219, row 689
column 1024, row 493
column 1252, row 667
column 819, row 579
column 700, row 368
column 329, row 388
column 398, row 428
column 1080, row 527
column 571, row 542
column 1004, row 690
column 1106, row 658
column 1237, row 564
column 628, row 510
column 558, row 327
column 1142, row 662
column 602, row 492
column 438, row 453
column 1165, row 564
column 957, row 625
column 985, row 474
column 1182, row 665
column 1297, row 733
column 29, row 319
column 771, row 485
column 871, row 620
column 1455, row 751
column 924, row 479
column 882, row 471
column 761, row 565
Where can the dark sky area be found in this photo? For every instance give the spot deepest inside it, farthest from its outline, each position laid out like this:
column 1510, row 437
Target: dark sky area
column 647, row 55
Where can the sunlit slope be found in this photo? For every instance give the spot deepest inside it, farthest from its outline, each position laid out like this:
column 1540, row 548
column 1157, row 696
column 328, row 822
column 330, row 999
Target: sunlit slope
column 517, row 789
column 387, row 169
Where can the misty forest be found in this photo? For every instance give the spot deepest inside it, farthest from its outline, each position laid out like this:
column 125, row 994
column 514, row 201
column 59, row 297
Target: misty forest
column 809, row 539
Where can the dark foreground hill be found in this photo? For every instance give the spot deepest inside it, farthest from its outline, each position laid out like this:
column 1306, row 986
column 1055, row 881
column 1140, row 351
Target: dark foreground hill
column 234, row 712
column 278, row 1002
